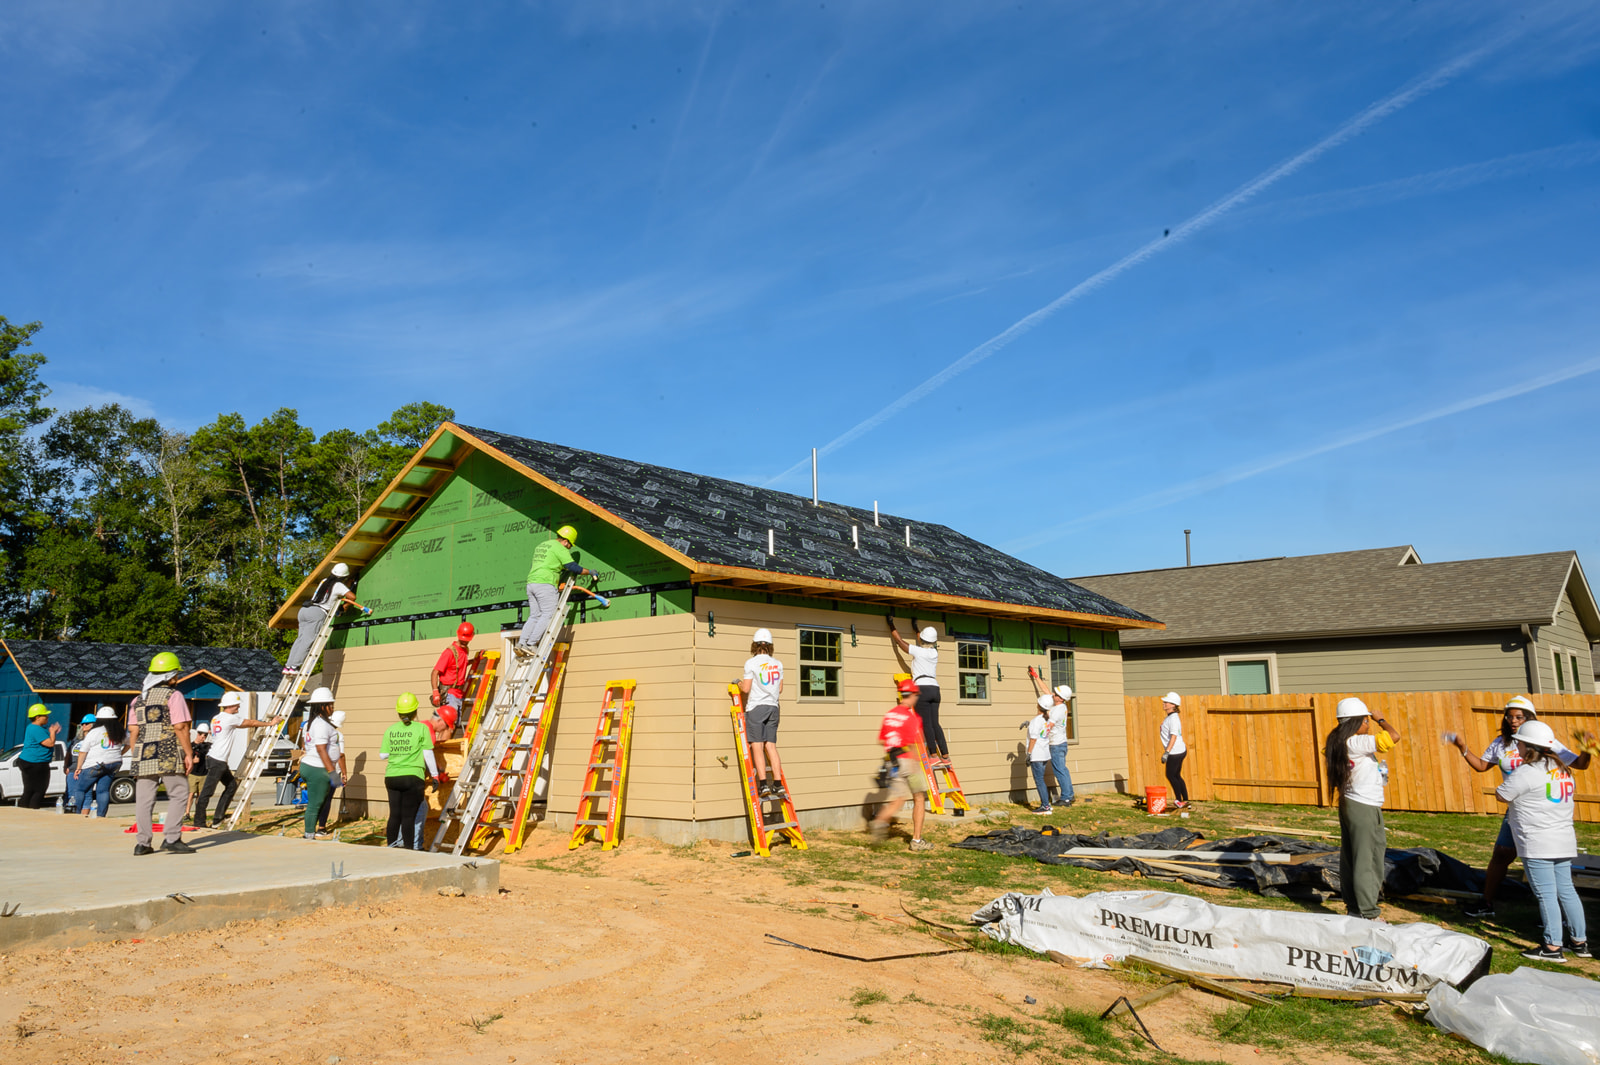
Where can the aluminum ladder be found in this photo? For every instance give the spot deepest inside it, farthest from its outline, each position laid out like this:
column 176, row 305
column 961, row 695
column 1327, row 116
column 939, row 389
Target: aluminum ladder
column 762, row 831
column 516, row 785
column 607, row 774
column 487, row 751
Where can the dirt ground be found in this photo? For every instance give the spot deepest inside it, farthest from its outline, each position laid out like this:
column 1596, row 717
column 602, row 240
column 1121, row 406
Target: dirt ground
column 649, row 951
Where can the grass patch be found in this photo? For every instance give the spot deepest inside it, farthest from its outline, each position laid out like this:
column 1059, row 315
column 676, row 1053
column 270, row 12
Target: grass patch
column 1016, row 1036
column 863, row 997
column 1315, row 1026
column 482, row 1026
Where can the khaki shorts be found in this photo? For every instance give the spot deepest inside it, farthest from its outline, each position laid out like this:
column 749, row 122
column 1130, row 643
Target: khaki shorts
column 909, row 780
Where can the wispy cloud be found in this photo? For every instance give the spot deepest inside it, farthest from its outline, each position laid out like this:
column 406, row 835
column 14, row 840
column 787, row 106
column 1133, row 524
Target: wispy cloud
column 1213, row 481
column 1352, row 128
column 69, row 395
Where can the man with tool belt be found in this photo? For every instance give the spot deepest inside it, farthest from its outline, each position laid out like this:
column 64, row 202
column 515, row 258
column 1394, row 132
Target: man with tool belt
column 449, row 679
column 158, row 736
column 900, row 732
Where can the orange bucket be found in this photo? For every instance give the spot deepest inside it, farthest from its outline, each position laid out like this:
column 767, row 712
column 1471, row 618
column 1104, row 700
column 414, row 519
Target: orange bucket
column 1155, row 800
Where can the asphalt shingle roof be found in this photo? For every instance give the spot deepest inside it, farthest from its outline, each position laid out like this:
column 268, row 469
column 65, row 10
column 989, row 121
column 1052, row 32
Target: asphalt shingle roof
column 1346, row 592
column 720, row 522
column 55, row 665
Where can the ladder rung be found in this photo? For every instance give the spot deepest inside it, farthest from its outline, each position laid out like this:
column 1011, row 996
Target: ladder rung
column 602, row 765
column 776, row 825
column 589, row 822
column 589, row 793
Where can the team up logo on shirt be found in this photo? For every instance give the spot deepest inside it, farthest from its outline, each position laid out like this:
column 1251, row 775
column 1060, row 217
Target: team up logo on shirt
column 767, row 673
column 1560, row 787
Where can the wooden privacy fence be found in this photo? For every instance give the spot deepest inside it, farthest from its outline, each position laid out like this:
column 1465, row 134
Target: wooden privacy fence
column 1268, row 748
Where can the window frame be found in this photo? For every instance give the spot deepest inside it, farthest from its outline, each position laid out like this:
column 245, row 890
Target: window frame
column 1269, row 657
column 802, row 663
column 1071, row 658
column 987, row 672
column 1565, row 661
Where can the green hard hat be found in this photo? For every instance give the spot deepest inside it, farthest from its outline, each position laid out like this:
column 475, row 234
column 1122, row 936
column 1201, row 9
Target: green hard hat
column 165, row 662
column 406, row 704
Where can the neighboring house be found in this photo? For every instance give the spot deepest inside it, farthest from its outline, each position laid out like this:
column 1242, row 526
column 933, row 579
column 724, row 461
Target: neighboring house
column 686, row 561
column 72, row 678
column 1378, row 620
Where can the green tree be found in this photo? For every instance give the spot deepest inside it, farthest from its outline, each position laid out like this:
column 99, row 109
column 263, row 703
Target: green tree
column 22, row 408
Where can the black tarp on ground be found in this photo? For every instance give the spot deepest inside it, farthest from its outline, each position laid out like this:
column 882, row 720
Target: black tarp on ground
column 1406, row 871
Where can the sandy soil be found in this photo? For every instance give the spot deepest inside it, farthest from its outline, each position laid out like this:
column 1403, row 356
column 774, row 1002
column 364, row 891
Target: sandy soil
column 646, row 952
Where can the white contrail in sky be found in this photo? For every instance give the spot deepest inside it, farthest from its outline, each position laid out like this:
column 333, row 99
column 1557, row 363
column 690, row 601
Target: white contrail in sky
column 1351, row 128
column 1212, row 481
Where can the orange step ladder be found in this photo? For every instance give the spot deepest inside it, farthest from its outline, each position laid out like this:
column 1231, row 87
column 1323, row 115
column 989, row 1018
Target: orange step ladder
column 947, row 790
column 479, row 686
column 515, row 787
column 607, row 774
column 762, row 831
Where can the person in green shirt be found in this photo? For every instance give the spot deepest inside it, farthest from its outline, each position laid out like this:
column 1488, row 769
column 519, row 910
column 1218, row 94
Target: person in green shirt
column 408, row 748
column 553, row 562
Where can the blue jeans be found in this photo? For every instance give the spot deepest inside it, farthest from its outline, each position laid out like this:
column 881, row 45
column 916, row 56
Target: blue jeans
column 96, row 781
column 1551, row 880
column 73, row 784
column 1038, row 782
column 1058, row 767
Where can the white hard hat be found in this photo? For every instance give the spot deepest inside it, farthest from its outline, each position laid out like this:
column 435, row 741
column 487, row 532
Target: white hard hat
column 202, row 727
column 230, row 699
column 321, row 695
column 337, row 717
column 1065, row 691
column 1046, row 702
column 1536, row 734
column 761, row 636
column 105, row 713
column 1172, row 697
column 341, row 570
column 929, row 636
column 1523, row 703
column 1351, row 707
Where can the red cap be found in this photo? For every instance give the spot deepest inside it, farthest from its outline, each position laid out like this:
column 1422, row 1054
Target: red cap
column 465, row 630
column 906, row 687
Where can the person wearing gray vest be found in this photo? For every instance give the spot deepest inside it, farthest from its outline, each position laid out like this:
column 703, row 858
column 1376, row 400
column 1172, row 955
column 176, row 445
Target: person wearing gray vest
column 158, row 735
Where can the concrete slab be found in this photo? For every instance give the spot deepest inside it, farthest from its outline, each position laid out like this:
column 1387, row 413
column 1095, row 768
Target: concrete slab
column 75, row 881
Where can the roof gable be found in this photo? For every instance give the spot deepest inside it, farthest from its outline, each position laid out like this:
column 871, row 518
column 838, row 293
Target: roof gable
column 1349, row 592
column 80, row 666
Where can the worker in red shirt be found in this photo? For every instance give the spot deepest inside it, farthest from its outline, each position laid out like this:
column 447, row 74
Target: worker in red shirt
column 900, row 731
column 449, row 677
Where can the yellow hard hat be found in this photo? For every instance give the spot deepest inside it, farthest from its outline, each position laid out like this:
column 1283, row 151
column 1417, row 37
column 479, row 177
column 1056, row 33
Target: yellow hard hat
column 568, row 533
column 38, row 710
column 165, row 662
column 406, row 704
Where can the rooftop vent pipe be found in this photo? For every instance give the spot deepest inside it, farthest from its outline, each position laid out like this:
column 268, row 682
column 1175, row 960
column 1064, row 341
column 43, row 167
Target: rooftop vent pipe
column 813, row 476
column 772, row 543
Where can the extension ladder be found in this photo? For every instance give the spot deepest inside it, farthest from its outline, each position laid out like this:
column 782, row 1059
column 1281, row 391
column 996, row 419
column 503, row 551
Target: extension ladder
column 607, row 758
column 939, row 791
column 512, row 795
column 279, row 707
column 487, row 751
column 762, row 831
column 480, row 682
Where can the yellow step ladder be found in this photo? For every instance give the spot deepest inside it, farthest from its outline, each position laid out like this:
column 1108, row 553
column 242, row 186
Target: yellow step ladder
column 607, row 774
column 762, row 831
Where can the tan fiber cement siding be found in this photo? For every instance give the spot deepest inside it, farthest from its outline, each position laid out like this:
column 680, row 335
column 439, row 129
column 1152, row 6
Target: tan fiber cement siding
column 1455, row 661
column 1567, row 635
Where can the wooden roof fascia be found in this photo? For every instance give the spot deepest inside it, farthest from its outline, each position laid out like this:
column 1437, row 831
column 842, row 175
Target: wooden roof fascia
column 1585, row 606
column 712, row 574
column 281, row 619
column 20, row 670
column 572, row 497
column 227, row 684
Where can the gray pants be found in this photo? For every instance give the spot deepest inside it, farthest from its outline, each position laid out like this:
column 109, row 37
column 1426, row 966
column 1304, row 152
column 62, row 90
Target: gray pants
column 541, row 609
column 1361, row 847
column 144, row 797
column 311, row 619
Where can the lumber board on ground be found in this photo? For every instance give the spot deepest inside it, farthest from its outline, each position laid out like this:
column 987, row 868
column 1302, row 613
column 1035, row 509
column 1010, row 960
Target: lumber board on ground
column 1205, row 983
column 1269, row 829
column 1357, row 996
column 1164, row 991
column 1190, row 868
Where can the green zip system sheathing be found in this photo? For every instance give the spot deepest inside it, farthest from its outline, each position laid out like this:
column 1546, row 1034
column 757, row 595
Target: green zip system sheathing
column 470, row 546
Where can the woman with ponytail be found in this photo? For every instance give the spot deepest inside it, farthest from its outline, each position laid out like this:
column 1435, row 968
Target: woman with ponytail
column 1356, row 774
column 1540, row 797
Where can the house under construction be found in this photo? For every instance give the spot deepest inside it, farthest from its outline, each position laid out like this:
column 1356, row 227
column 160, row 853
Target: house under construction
column 693, row 565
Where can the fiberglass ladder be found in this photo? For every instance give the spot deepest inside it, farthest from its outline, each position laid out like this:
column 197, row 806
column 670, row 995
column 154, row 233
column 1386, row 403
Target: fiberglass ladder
column 515, row 788
column 264, row 740
column 762, row 831
column 613, row 735
column 487, row 750
column 942, row 791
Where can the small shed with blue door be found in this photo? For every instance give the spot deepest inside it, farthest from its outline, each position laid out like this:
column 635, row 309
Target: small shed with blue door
column 72, row 678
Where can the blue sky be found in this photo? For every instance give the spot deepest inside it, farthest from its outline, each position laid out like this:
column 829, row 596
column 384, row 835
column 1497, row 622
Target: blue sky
column 714, row 236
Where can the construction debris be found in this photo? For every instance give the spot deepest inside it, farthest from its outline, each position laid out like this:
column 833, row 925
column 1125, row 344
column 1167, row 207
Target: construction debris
column 1527, row 1015
column 1205, row 983
column 857, row 957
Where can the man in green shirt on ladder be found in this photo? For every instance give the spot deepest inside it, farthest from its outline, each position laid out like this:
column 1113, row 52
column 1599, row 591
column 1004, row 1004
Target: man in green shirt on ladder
column 553, row 562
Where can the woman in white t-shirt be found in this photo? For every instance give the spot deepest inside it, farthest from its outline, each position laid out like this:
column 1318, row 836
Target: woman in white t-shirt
column 100, row 760
column 923, row 657
column 319, row 765
column 1039, row 751
column 1502, row 754
column 1540, row 794
column 1355, row 772
column 1173, row 748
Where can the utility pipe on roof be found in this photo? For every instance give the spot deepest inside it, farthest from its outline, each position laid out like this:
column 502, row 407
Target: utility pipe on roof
column 855, row 537
column 874, row 513
column 813, row 476
column 772, row 543
column 908, row 535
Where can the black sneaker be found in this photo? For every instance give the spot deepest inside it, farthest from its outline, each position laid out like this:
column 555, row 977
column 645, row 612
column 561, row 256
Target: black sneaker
column 141, row 849
column 176, row 846
column 1580, row 950
column 1478, row 910
column 1540, row 953
column 765, row 791
column 777, row 790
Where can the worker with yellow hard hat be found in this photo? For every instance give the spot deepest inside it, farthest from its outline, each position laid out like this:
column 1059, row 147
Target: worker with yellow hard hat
column 158, row 735
column 38, row 749
column 407, row 747
column 553, row 562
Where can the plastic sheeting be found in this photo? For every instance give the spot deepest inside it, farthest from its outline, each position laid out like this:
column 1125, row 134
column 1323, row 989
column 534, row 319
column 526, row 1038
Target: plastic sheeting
column 1529, row 1015
column 1405, row 871
column 1307, row 949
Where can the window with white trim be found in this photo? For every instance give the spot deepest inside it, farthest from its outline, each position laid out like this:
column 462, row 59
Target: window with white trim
column 1063, row 670
column 972, row 671
column 1249, row 674
column 821, row 651
column 1568, row 679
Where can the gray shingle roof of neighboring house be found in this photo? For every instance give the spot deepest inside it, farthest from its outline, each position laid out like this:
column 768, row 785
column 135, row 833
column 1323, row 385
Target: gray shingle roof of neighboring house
column 722, row 522
column 1346, row 593
column 68, row 665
